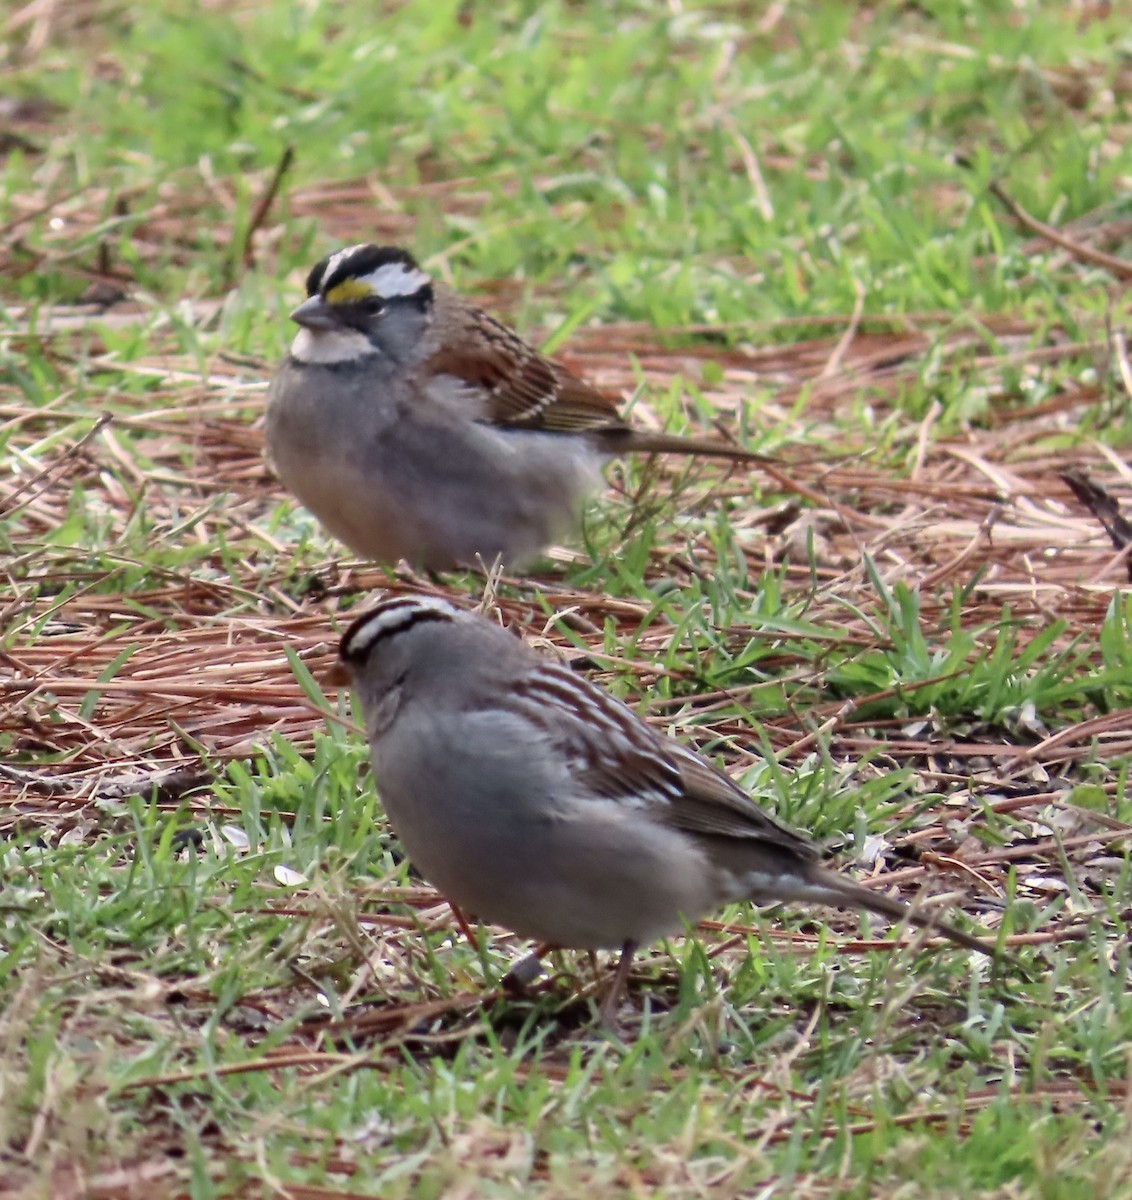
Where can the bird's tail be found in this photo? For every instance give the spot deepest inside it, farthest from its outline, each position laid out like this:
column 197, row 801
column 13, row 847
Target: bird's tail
column 623, row 440
column 825, row 887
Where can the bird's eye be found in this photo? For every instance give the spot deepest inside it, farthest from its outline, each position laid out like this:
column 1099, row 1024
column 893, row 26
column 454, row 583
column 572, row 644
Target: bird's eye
column 371, row 303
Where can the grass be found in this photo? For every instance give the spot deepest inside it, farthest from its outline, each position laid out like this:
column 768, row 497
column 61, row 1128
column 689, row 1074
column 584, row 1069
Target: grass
column 219, row 976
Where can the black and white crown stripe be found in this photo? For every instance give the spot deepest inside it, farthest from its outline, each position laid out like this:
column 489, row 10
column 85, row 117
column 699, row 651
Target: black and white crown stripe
column 387, row 270
column 390, row 618
column 326, row 267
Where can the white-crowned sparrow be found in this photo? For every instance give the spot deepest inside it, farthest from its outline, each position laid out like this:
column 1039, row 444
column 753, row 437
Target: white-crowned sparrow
column 533, row 799
column 414, row 425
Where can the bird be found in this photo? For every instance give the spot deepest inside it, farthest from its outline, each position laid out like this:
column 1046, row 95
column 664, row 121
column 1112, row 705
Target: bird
column 530, row 797
column 416, row 426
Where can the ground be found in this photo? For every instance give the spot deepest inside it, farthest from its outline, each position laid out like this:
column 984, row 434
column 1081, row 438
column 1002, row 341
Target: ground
column 887, row 247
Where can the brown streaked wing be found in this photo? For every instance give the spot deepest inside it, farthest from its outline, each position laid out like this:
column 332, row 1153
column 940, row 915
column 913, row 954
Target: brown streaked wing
column 615, row 754
column 580, row 408
column 515, row 391
column 632, row 774
column 712, row 804
column 525, row 389
column 609, row 749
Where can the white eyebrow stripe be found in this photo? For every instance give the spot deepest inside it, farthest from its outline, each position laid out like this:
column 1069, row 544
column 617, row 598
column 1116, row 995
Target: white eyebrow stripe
column 395, row 279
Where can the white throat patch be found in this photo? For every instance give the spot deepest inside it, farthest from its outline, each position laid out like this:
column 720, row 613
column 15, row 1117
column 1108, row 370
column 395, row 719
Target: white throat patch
column 330, row 346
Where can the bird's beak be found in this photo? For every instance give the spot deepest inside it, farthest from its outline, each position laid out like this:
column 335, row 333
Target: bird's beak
column 337, row 676
column 314, row 313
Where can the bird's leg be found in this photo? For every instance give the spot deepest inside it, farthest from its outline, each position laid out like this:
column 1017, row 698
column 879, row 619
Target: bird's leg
column 608, row 1009
column 521, row 974
column 462, row 924
column 524, row 971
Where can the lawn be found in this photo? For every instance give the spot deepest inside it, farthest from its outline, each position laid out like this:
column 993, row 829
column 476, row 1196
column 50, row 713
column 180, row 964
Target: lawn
column 888, row 245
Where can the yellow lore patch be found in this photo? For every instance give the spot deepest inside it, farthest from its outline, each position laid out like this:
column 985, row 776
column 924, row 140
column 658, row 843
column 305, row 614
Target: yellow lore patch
column 347, row 290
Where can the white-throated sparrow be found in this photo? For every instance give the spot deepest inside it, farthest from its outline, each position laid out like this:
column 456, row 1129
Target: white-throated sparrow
column 414, row 425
